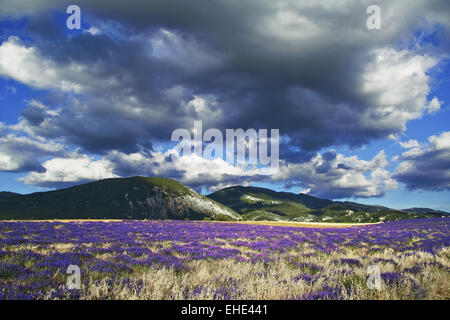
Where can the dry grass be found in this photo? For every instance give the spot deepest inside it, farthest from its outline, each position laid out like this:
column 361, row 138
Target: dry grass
column 243, row 280
column 300, row 224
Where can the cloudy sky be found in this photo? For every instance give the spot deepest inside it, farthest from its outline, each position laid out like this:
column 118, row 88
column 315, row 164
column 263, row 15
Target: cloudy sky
column 363, row 114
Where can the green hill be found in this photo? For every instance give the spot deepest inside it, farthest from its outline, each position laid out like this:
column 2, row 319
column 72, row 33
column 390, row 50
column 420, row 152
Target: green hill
column 425, row 210
column 265, row 204
column 118, row 198
column 8, row 195
column 161, row 198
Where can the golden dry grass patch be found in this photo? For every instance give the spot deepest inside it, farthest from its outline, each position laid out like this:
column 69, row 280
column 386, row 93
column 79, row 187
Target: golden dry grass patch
column 300, row 224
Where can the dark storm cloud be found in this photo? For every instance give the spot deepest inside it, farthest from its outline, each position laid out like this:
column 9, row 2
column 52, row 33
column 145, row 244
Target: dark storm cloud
column 34, row 115
column 115, row 70
column 303, row 77
column 427, row 168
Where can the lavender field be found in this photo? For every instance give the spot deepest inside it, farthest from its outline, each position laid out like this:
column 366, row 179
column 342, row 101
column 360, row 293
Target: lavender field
column 208, row 260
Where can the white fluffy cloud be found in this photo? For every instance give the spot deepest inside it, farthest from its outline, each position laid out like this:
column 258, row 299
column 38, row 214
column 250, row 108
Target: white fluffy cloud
column 66, row 171
column 433, row 106
column 398, row 82
column 332, row 175
column 410, row 144
column 328, row 175
column 190, row 169
column 25, row 64
column 28, row 65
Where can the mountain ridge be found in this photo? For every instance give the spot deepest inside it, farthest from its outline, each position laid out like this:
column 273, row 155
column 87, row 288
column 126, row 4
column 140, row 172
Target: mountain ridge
column 118, row 198
column 161, row 198
column 255, row 203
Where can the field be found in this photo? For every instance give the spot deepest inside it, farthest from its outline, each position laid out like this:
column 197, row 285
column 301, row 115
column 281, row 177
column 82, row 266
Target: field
column 210, row 260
